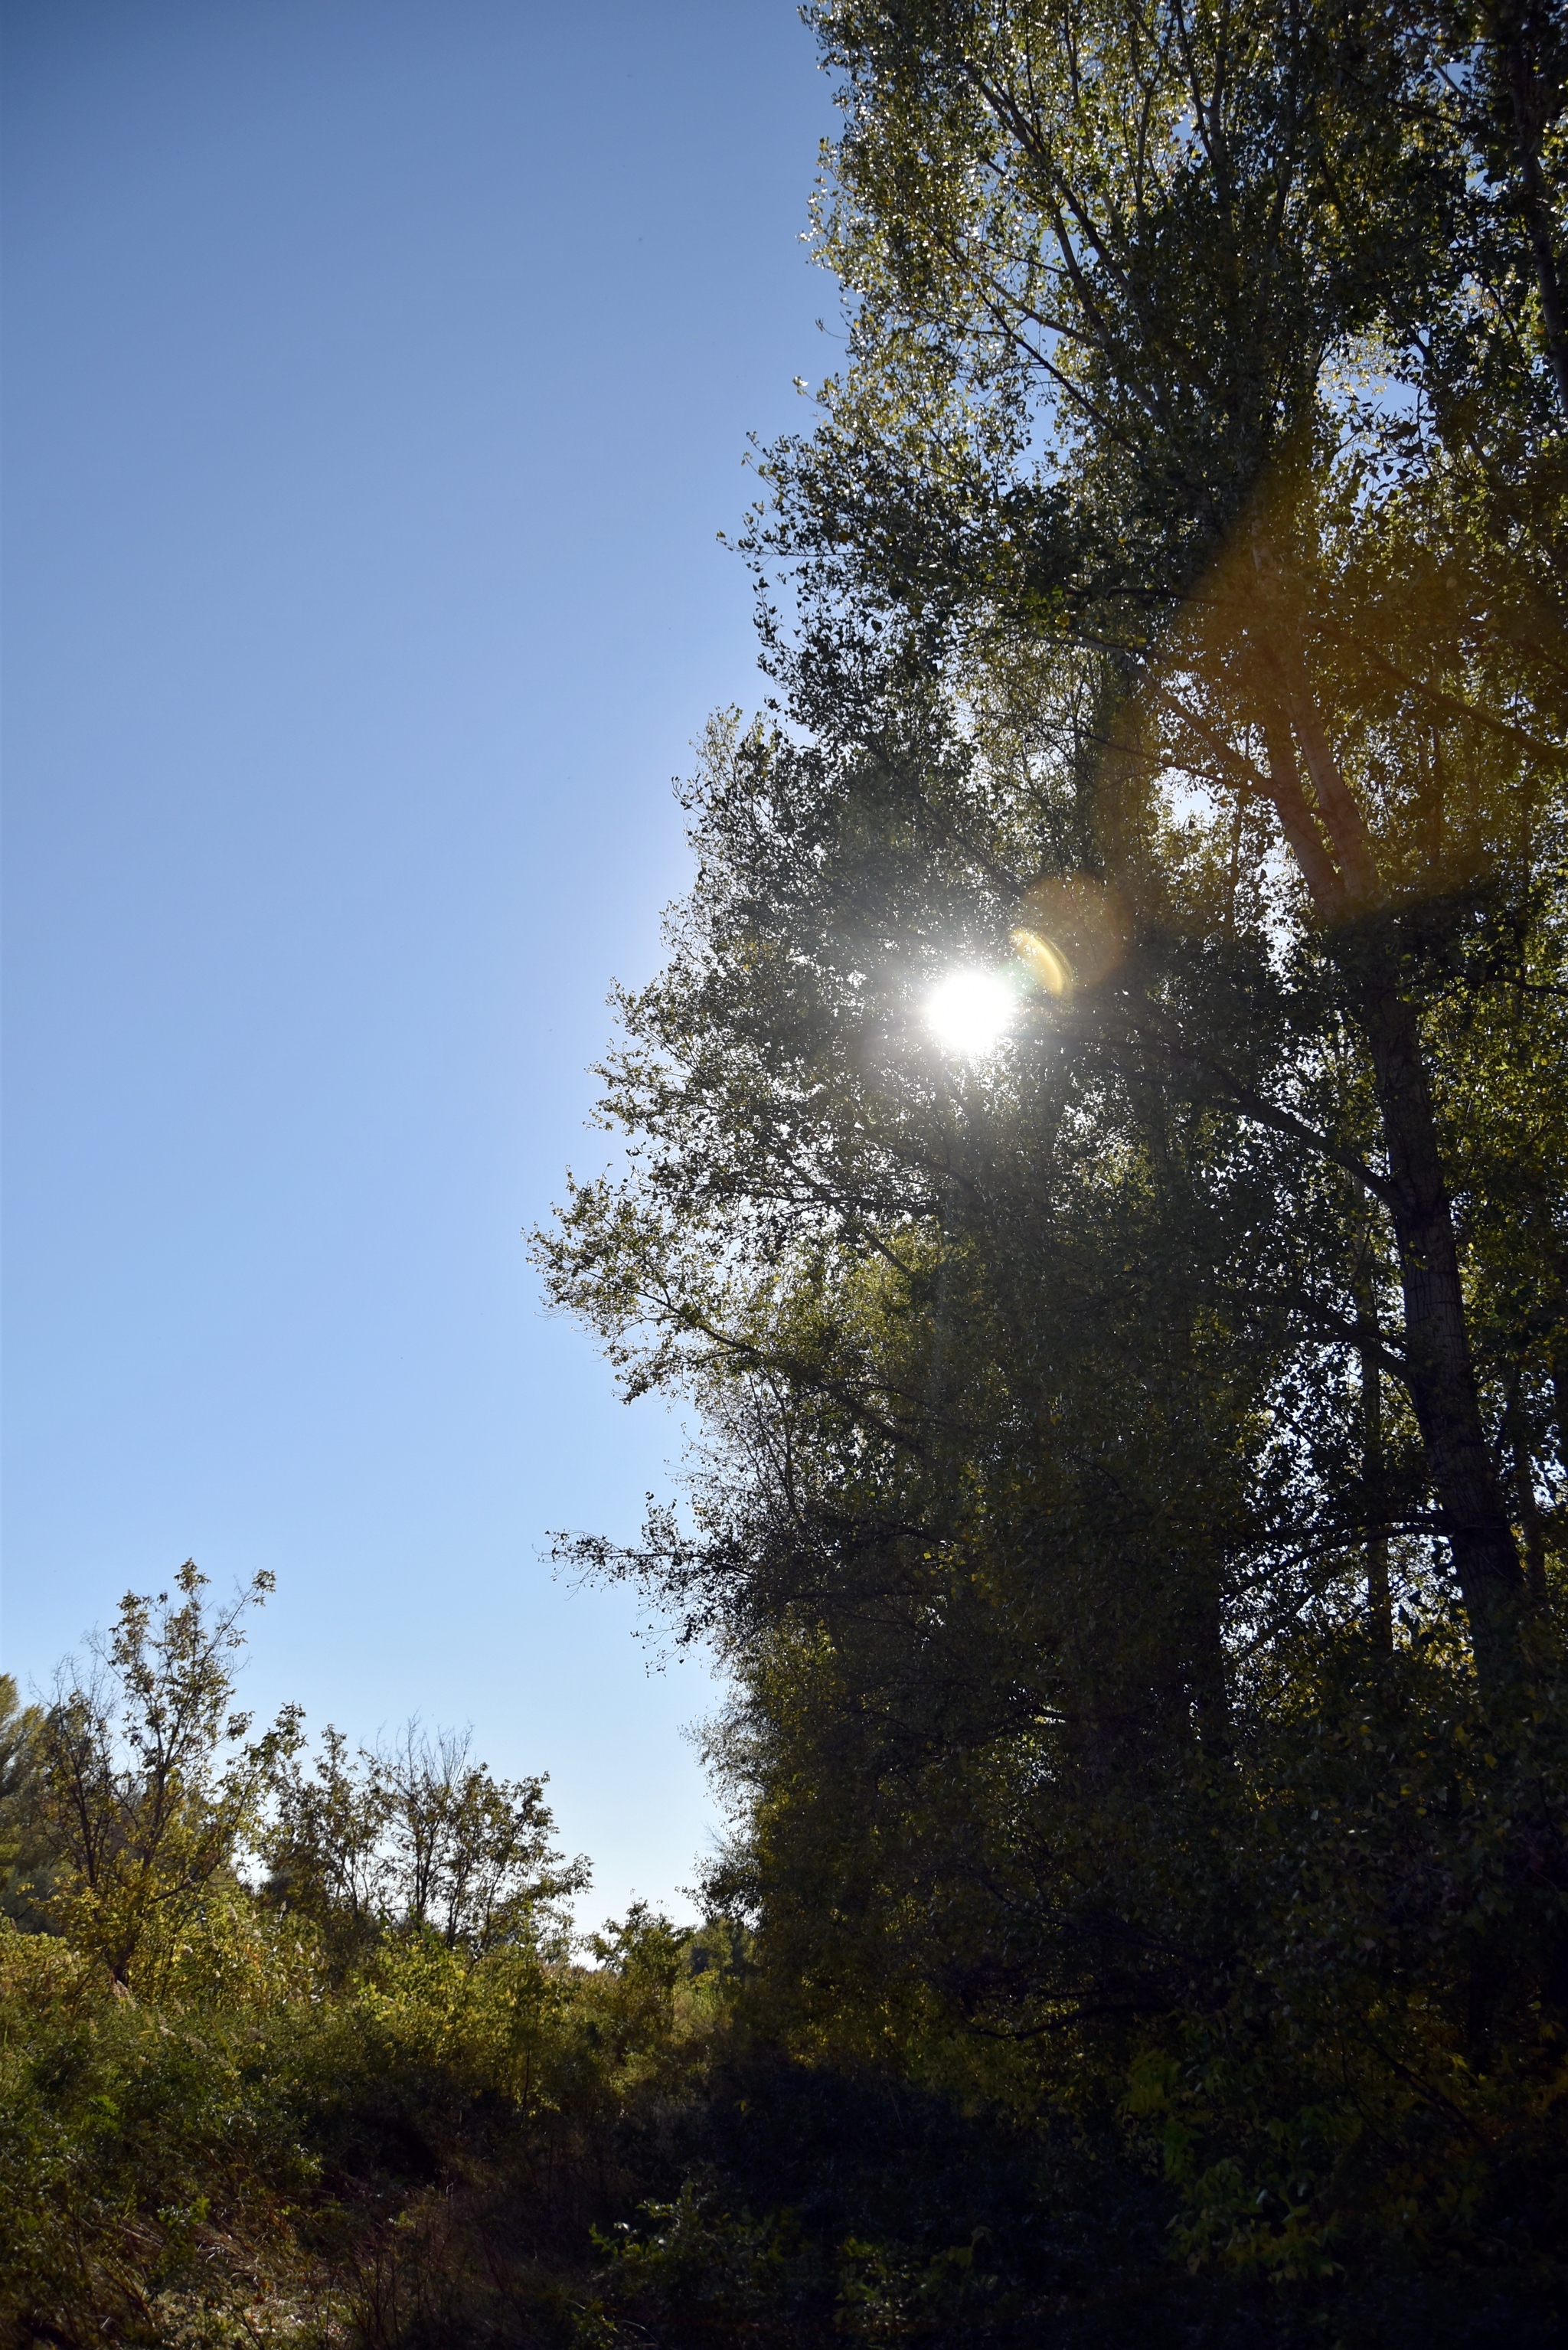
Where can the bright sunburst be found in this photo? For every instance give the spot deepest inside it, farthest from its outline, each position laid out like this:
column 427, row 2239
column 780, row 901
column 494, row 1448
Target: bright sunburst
column 971, row 1011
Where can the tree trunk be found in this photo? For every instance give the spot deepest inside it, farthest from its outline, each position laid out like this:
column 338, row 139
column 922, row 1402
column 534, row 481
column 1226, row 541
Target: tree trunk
column 1518, row 60
column 1196, row 1632
column 1439, row 1373
column 1379, row 1599
column 1530, row 1523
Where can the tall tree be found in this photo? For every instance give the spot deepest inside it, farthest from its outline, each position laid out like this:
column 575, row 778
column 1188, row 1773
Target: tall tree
column 1165, row 622
column 1173, row 359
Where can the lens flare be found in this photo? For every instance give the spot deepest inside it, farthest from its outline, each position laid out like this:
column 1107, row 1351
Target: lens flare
column 969, row 1012
column 1046, row 965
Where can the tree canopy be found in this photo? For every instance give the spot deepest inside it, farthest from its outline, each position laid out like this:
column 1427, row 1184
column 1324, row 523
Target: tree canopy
column 1131, row 1499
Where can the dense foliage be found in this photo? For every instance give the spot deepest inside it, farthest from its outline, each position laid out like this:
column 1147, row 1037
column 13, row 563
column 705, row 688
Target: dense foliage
column 301, row 2048
column 1130, row 1504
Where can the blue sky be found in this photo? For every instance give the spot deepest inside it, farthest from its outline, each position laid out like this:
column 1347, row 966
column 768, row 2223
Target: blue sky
column 376, row 378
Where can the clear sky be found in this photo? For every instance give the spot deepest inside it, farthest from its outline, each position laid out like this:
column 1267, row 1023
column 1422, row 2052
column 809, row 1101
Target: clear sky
column 376, row 378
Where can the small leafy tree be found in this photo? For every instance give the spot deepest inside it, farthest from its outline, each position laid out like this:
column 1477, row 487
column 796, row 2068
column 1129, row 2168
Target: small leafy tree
column 147, row 1791
column 23, row 1855
column 473, row 1860
column 416, row 1837
column 323, row 1846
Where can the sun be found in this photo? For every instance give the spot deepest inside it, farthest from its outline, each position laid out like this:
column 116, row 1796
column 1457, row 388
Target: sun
column 969, row 1012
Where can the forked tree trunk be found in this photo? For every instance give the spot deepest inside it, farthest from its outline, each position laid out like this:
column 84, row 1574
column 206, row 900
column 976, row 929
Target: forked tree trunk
column 1439, row 1372
column 1334, row 851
